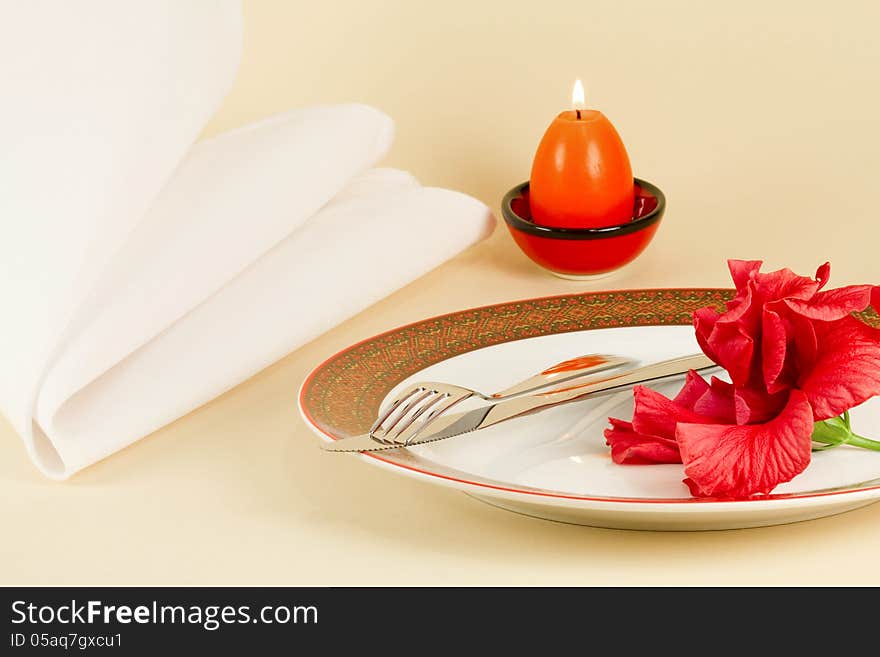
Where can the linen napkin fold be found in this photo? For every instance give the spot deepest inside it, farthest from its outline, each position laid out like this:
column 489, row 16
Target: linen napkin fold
column 148, row 275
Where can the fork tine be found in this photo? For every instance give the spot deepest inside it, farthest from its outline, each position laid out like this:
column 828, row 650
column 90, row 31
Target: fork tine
column 406, row 436
column 409, row 414
column 415, row 413
column 385, row 413
column 401, row 411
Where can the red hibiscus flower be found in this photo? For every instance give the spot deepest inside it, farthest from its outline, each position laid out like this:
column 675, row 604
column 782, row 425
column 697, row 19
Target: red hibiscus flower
column 795, row 356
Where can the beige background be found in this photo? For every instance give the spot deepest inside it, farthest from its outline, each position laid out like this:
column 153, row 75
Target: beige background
column 759, row 120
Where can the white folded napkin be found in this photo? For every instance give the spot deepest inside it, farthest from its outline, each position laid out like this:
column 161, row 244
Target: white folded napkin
column 148, row 275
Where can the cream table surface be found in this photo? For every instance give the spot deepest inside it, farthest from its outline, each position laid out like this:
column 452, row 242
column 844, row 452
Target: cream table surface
column 759, row 121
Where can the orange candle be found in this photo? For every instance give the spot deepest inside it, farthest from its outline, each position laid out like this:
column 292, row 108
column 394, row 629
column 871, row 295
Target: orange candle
column 581, row 175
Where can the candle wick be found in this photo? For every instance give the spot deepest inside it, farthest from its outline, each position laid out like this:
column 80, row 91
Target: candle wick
column 578, row 114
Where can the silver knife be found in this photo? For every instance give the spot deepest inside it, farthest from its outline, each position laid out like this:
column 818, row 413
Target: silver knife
column 454, row 424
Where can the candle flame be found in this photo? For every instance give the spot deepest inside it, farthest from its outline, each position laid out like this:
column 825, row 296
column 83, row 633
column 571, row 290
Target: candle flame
column 577, row 96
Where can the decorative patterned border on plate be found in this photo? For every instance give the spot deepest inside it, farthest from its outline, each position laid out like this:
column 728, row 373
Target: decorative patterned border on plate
column 343, row 395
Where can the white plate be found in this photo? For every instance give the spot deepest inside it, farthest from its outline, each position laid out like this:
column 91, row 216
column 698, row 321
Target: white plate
column 555, row 464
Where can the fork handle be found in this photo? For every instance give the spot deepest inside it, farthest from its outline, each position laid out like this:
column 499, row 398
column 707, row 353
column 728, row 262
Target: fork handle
column 566, row 371
column 507, row 410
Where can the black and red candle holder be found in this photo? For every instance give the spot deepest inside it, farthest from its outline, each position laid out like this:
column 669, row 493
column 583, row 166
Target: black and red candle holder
column 584, row 253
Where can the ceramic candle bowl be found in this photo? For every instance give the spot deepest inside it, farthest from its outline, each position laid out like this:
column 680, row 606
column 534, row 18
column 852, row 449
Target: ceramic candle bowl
column 584, row 253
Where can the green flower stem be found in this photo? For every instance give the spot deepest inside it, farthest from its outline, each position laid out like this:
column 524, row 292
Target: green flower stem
column 837, row 431
column 860, row 441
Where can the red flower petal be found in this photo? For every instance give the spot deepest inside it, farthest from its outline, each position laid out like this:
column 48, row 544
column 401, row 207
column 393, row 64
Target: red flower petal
column 726, row 404
column 717, row 402
column 734, row 349
column 804, row 341
column 774, row 349
column 833, row 304
column 704, row 322
column 650, row 437
column 631, row 448
column 823, row 273
column 739, row 461
column 785, row 284
column 847, row 367
column 756, row 406
column 742, row 271
column 657, row 415
column 738, row 309
column 694, row 387
column 693, row 487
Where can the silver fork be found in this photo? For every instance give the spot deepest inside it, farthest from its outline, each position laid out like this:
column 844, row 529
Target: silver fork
column 415, row 408
column 449, row 424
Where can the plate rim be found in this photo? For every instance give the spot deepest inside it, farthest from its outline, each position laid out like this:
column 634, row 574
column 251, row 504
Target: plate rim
column 535, row 495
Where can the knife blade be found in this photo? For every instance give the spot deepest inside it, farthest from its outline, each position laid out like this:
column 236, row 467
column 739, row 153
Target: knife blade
column 454, row 424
